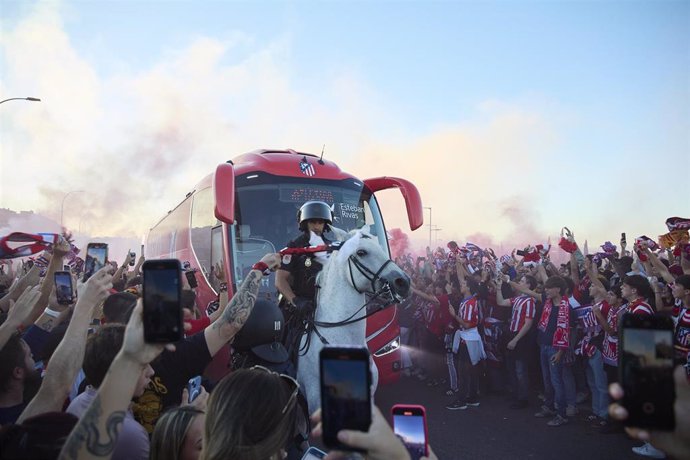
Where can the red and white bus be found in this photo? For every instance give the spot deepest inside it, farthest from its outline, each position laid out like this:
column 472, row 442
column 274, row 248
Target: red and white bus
column 248, row 207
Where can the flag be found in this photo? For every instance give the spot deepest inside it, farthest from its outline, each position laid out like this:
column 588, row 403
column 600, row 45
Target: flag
column 11, row 245
column 307, row 168
column 585, row 317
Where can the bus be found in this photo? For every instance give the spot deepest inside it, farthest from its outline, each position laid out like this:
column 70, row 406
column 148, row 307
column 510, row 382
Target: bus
column 248, row 207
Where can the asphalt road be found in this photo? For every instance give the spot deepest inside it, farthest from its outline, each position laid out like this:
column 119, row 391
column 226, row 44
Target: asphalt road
column 494, row 431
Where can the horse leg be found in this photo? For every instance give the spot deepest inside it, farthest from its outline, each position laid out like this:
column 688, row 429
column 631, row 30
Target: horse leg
column 308, row 375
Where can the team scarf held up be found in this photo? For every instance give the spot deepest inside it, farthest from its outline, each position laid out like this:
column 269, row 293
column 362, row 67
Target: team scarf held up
column 561, row 337
column 11, row 246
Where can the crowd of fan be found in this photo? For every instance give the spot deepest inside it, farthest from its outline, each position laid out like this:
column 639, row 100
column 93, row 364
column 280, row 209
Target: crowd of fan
column 79, row 381
column 478, row 323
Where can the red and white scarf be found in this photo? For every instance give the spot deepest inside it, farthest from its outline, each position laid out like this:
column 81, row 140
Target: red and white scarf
column 561, row 337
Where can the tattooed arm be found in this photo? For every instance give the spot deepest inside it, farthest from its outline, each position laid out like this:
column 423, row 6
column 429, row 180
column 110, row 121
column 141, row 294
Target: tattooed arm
column 238, row 309
column 67, row 359
column 95, row 435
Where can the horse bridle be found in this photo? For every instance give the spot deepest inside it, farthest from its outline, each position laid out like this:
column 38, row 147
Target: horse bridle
column 385, row 292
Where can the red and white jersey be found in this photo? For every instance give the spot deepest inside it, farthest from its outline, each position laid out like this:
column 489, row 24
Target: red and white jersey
column 610, row 346
column 682, row 333
column 469, row 311
column 524, row 307
column 639, row 307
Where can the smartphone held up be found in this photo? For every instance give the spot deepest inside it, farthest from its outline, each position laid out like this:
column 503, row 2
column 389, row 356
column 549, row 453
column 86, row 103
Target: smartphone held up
column 162, row 292
column 646, row 371
column 96, row 258
column 409, row 424
column 345, row 392
column 64, row 290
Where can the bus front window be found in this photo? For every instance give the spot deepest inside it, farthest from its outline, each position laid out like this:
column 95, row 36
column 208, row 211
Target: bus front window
column 266, row 216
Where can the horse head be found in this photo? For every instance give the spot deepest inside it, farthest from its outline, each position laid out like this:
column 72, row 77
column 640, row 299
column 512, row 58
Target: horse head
column 371, row 271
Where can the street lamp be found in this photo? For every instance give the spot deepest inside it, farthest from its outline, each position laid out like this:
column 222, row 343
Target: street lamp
column 429, row 208
column 62, row 206
column 32, row 99
column 436, row 229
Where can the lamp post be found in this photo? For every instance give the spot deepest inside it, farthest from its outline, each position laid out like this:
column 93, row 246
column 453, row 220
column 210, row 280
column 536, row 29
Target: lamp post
column 429, row 208
column 32, row 99
column 62, row 206
column 436, row 229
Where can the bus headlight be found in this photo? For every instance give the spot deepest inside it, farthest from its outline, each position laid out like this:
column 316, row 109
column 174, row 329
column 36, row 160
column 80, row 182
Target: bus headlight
column 390, row 347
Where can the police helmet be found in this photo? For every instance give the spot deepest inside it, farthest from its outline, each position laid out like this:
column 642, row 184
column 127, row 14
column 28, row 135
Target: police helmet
column 262, row 332
column 314, row 210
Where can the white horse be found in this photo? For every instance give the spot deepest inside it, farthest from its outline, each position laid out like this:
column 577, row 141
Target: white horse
column 359, row 268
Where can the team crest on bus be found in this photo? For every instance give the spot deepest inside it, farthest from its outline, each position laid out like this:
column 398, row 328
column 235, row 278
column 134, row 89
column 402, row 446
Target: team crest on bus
column 307, row 169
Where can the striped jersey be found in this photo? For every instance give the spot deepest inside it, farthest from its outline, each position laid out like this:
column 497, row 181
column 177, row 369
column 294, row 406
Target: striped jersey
column 639, row 307
column 524, row 307
column 469, row 311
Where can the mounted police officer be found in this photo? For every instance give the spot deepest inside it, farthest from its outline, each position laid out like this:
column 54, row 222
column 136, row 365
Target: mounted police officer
column 296, row 278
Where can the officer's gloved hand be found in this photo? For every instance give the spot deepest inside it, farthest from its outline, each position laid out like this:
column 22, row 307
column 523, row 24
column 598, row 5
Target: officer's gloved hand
column 302, row 305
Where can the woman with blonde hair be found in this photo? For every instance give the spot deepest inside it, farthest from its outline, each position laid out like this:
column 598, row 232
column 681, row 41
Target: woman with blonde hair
column 178, row 434
column 250, row 415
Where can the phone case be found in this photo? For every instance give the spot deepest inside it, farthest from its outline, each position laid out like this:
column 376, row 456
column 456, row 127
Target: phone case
column 397, row 408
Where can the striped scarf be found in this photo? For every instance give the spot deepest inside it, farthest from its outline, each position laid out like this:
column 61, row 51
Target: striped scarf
column 561, row 337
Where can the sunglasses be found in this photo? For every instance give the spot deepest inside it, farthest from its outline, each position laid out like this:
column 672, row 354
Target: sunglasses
column 291, row 380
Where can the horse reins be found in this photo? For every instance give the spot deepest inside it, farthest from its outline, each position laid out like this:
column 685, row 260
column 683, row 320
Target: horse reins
column 370, row 276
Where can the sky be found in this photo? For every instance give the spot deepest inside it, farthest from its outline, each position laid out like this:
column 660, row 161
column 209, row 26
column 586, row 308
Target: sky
column 513, row 118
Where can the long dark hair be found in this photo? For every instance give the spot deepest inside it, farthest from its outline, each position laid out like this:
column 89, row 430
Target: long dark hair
column 245, row 418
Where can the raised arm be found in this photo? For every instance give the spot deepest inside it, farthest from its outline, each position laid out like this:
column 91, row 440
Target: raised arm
column 660, row 267
column 425, row 296
column 69, row 355
column 95, row 435
column 574, row 268
column 239, row 308
column 524, row 290
column 499, row 294
column 593, row 275
column 31, row 278
column 18, row 313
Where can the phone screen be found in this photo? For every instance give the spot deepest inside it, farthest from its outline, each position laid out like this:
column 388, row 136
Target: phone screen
column 63, row 288
column 193, row 388
column 646, row 371
column 191, row 279
column 345, row 392
column 409, row 425
column 96, row 258
column 162, row 303
column 313, row 453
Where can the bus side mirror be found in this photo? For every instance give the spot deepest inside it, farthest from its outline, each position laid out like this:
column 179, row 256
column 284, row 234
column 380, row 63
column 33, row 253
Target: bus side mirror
column 413, row 201
column 224, row 193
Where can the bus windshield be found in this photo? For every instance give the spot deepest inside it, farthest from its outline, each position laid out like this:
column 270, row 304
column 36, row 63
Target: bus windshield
column 266, row 216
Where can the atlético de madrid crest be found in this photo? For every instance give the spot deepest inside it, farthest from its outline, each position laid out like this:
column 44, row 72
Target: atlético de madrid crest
column 307, row 168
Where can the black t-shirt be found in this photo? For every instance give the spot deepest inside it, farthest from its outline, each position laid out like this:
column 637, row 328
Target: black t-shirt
column 172, row 372
column 11, row 414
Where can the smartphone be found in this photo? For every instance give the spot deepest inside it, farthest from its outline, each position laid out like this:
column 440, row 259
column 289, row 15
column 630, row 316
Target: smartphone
column 521, row 253
column 193, row 388
column 96, row 258
column 132, row 258
column 345, row 376
column 645, row 370
column 623, row 237
column 313, row 454
column 63, row 288
column 191, row 279
column 409, row 424
column 162, row 301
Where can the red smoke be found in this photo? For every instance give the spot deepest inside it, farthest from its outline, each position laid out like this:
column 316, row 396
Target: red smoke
column 399, row 242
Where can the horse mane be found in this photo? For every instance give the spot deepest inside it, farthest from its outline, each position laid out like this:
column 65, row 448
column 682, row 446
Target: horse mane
column 351, row 242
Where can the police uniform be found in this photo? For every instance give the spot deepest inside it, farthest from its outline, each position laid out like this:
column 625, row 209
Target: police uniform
column 303, row 269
